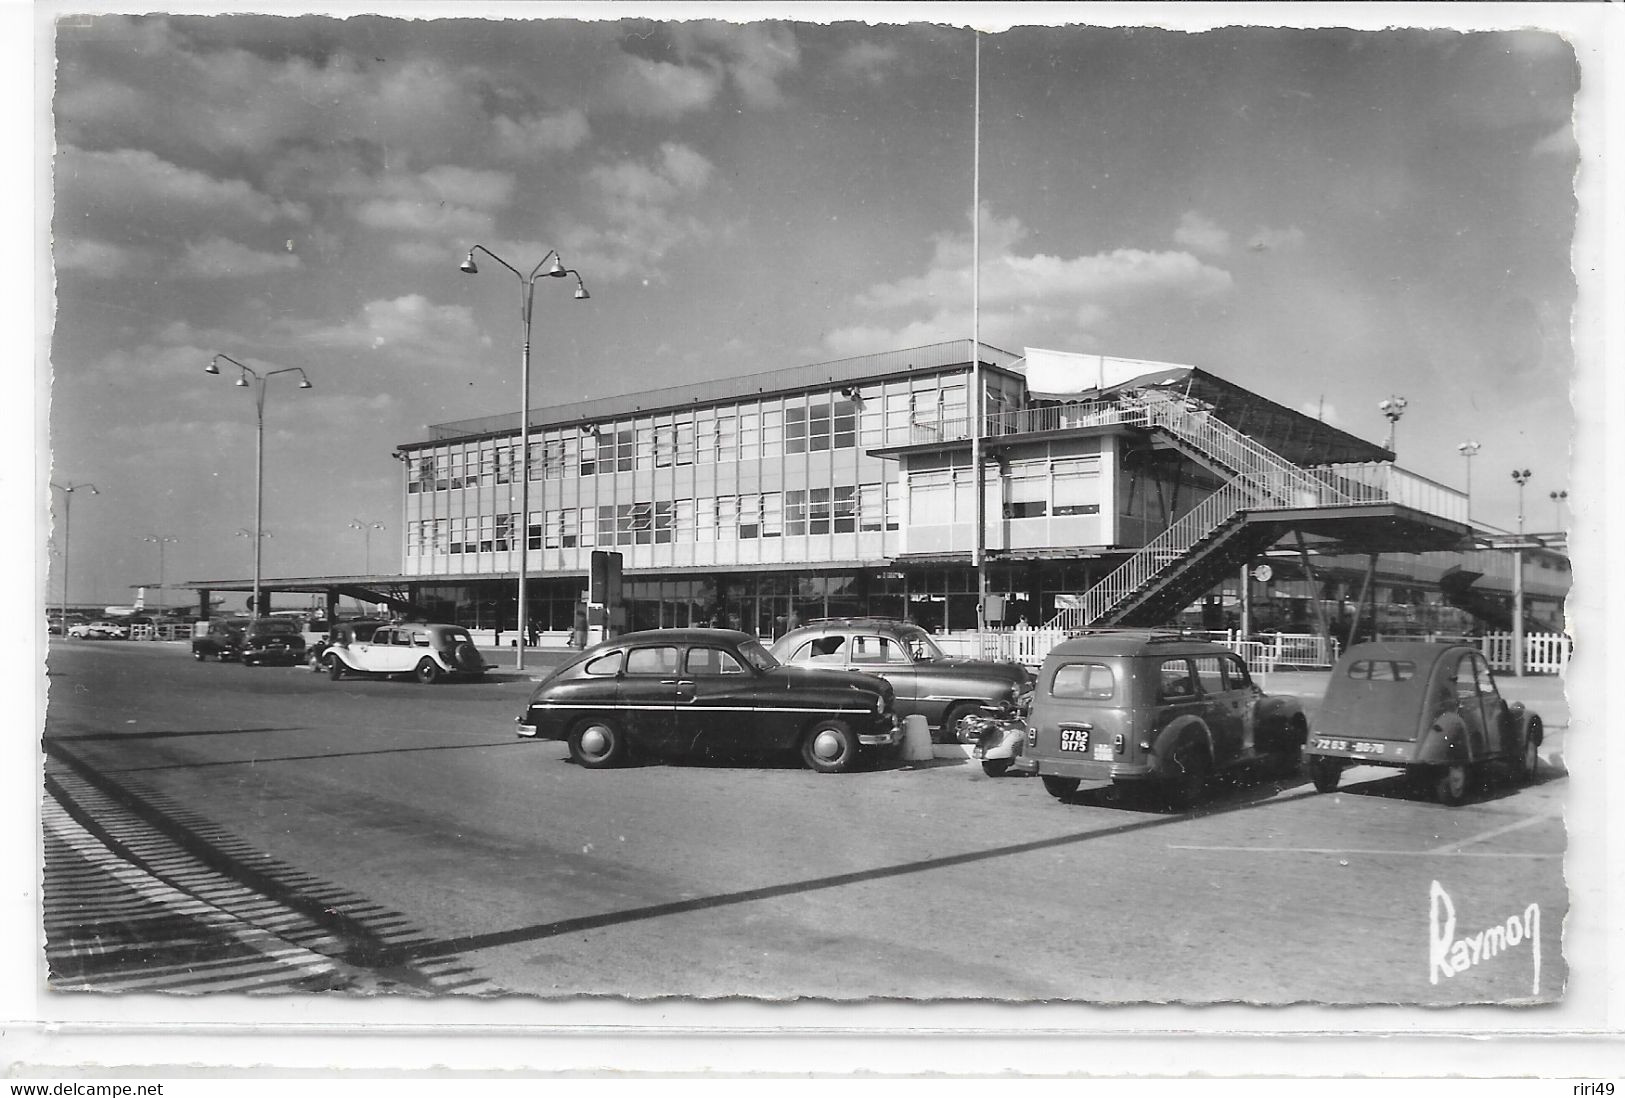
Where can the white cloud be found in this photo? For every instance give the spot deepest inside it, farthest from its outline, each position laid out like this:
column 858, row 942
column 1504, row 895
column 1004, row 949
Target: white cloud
column 218, row 257
column 755, row 55
column 96, row 258
column 659, row 89
column 411, row 328
column 1022, row 295
column 1201, row 234
column 639, row 222
column 134, row 184
column 535, row 135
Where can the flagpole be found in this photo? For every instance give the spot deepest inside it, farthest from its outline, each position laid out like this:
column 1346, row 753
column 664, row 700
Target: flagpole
column 977, row 387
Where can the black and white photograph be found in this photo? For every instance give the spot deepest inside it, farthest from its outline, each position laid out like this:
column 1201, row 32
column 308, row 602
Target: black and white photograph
column 705, row 515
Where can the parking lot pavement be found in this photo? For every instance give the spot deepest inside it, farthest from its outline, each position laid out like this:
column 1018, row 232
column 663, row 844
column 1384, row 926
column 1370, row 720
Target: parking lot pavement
column 539, row 662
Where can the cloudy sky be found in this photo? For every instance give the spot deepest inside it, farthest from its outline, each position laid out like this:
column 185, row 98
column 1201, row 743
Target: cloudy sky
column 1327, row 216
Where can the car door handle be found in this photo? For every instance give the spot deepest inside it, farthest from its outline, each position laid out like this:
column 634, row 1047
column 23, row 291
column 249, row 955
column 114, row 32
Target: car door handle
column 676, row 682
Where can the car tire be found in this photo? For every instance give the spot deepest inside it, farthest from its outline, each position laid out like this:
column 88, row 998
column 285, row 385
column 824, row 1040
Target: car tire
column 952, row 717
column 335, row 668
column 829, row 747
column 1452, row 782
column 597, row 743
column 1325, row 772
column 1189, row 783
column 1527, row 765
column 996, row 768
column 427, row 671
column 1060, row 788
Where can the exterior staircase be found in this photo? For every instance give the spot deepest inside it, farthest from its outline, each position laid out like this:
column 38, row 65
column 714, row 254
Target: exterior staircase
column 1215, row 537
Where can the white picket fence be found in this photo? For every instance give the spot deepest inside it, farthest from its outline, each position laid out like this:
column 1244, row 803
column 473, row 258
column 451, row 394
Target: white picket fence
column 1543, row 653
column 1029, row 647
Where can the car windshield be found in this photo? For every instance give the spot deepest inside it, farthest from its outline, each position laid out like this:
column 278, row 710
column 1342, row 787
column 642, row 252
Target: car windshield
column 920, row 644
column 757, row 656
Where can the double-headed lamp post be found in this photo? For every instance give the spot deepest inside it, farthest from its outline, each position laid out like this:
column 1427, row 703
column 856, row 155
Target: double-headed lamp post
column 1521, row 476
column 1558, row 500
column 527, row 284
column 259, row 383
column 67, row 491
column 1393, row 408
column 1468, row 450
column 366, row 529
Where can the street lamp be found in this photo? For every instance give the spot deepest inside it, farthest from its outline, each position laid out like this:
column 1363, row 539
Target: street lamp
column 161, row 540
column 366, row 529
column 1558, row 500
column 1393, row 408
column 1522, row 477
column 67, row 491
column 260, row 381
column 527, row 284
column 1468, row 450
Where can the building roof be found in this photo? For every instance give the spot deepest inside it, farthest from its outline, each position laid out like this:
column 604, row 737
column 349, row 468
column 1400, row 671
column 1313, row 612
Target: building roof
column 930, row 358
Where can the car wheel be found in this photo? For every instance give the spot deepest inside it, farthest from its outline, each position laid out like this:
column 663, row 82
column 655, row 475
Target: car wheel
column 1325, row 772
column 1527, row 765
column 996, row 768
column 335, row 668
column 427, row 671
column 829, row 747
column 1186, row 787
column 1060, row 788
column 1452, row 783
column 954, row 717
column 597, row 743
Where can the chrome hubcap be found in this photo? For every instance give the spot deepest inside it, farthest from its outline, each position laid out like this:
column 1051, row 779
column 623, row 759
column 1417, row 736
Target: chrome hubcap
column 827, row 745
column 594, row 741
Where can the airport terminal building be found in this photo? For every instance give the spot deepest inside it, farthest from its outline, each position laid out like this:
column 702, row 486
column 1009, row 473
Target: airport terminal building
column 1115, row 492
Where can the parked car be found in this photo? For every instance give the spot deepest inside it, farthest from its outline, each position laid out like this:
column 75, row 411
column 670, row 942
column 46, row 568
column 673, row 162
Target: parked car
column 708, row 691
column 343, row 632
column 1150, row 709
column 1432, row 709
column 98, row 630
column 945, row 690
column 427, row 651
column 251, row 641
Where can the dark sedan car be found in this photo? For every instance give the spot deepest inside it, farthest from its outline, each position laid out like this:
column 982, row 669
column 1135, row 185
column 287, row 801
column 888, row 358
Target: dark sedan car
column 707, row 691
column 944, row 690
column 251, row 640
column 1432, row 709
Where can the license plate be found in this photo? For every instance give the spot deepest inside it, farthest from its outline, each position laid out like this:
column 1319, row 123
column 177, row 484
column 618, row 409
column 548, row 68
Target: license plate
column 1074, row 739
column 1358, row 747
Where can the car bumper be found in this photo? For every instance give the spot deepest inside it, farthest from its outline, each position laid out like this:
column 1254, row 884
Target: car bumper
column 1086, row 769
column 889, row 735
column 1366, row 752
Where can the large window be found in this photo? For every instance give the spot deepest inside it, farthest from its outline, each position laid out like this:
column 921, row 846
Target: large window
column 818, row 424
column 750, row 515
column 727, row 436
column 772, row 432
column 625, row 448
column 705, row 518
column 750, row 435
column 772, row 514
column 1029, row 490
column 795, row 512
column 590, row 444
column 846, row 424
column 795, row 430
column 1077, row 486
column 846, row 509
column 931, row 498
column 818, row 510
column 665, row 521
column 871, row 514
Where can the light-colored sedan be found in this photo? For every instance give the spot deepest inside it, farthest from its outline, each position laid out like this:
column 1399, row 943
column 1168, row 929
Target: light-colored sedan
column 427, row 652
column 98, row 630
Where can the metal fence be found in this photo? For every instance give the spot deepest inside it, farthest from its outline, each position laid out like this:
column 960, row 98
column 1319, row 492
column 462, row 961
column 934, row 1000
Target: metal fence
column 1263, row 652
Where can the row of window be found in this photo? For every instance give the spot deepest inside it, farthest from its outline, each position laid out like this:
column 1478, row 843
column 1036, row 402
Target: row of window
column 842, row 509
column 740, row 433
column 1033, row 489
